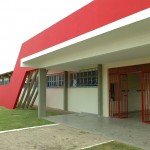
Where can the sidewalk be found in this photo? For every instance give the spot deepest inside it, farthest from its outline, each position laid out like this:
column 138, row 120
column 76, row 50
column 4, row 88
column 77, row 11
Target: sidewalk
column 130, row 131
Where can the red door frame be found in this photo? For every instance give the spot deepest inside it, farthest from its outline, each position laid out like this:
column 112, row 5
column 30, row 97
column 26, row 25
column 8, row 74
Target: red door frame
column 113, row 97
column 116, row 106
column 142, row 92
column 123, row 96
column 145, row 92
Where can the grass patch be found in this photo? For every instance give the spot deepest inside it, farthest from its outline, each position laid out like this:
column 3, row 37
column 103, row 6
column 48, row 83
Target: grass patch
column 21, row 118
column 114, row 146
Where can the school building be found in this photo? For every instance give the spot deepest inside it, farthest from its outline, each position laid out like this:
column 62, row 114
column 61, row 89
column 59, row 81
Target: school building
column 96, row 60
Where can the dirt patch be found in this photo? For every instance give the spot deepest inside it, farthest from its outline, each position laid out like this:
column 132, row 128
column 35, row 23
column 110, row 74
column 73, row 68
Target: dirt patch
column 59, row 137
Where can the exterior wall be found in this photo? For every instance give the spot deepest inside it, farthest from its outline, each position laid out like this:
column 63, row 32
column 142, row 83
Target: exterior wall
column 105, row 78
column 54, row 71
column 83, row 100
column 78, row 23
column 55, row 98
column 79, row 99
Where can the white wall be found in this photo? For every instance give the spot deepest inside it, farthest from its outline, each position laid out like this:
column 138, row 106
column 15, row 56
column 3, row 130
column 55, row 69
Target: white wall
column 105, row 78
column 83, row 100
column 134, row 96
column 54, row 71
column 79, row 99
column 55, row 98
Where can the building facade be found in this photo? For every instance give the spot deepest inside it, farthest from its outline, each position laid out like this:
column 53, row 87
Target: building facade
column 98, row 61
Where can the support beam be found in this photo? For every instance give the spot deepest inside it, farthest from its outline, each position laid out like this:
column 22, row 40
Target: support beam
column 42, row 93
column 66, row 90
column 100, row 101
column 23, row 95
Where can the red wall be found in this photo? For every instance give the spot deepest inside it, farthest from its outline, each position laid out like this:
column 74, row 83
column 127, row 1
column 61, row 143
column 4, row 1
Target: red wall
column 94, row 15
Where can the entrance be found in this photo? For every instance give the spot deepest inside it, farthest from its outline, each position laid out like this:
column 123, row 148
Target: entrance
column 129, row 91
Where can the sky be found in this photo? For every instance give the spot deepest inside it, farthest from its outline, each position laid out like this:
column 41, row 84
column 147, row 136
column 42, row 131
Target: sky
column 22, row 19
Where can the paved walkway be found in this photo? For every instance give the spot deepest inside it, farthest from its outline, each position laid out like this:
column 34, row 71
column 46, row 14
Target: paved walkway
column 131, row 131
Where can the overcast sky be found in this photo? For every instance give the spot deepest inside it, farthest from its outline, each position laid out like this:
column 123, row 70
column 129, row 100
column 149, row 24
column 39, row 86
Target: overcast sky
column 22, row 19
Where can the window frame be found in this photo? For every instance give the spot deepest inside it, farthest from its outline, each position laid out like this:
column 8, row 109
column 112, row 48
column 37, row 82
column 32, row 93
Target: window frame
column 55, row 80
column 83, row 78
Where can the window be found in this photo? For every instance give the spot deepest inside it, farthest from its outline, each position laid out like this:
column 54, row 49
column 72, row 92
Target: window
column 84, row 78
column 1, row 82
column 55, row 80
column 4, row 81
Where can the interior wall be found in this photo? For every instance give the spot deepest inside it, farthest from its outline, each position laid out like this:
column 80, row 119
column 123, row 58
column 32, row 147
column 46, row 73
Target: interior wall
column 83, row 100
column 134, row 95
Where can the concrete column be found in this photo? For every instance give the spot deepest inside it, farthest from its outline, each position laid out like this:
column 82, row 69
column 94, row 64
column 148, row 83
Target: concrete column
column 66, row 90
column 100, row 100
column 105, row 84
column 42, row 93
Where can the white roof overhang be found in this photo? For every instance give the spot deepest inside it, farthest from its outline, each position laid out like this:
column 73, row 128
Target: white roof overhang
column 124, row 39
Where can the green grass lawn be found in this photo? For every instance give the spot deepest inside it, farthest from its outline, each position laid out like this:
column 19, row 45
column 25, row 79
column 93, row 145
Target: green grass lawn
column 21, row 118
column 113, row 146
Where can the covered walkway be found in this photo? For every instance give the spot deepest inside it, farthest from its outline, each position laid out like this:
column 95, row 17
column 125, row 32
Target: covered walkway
column 130, row 130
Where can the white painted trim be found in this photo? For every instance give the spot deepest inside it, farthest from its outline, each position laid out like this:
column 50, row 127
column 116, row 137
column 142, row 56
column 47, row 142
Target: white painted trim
column 112, row 26
column 97, row 144
column 14, row 130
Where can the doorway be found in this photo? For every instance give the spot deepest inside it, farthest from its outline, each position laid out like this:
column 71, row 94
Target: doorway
column 129, row 92
column 134, row 95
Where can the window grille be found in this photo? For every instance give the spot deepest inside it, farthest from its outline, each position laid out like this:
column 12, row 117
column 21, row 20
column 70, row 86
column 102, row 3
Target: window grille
column 87, row 78
column 55, row 80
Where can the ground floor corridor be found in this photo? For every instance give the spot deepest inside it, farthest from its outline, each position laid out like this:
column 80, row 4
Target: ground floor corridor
column 128, row 130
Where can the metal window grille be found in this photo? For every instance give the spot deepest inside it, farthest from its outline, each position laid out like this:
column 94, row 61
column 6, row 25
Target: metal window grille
column 55, row 80
column 87, row 78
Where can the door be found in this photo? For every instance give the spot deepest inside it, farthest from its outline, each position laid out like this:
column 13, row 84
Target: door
column 118, row 95
column 146, row 97
column 123, row 96
column 113, row 95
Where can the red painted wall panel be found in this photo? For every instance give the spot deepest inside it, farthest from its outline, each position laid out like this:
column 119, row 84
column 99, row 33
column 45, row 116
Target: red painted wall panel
column 94, row 15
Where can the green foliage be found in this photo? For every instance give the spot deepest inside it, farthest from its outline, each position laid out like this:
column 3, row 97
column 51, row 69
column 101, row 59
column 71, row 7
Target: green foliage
column 20, row 118
column 113, row 146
